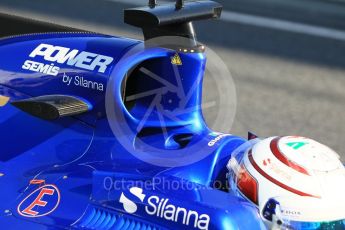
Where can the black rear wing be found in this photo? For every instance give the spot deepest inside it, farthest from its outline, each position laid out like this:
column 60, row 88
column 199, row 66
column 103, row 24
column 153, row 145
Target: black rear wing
column 172, row 19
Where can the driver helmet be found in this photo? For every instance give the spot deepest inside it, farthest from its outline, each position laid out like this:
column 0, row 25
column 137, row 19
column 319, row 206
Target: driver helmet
column 296, row 182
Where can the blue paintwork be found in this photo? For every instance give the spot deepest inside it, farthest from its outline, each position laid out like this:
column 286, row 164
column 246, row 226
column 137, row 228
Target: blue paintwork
column 83, row 159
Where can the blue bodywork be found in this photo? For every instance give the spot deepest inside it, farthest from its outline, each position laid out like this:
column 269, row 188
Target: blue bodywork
column 98, row 170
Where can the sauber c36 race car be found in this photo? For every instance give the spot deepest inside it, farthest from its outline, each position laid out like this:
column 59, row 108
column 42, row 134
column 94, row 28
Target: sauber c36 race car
column 83, row 145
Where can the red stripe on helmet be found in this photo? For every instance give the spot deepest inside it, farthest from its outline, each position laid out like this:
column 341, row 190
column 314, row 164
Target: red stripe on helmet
column 280, row 156
column 268, row 177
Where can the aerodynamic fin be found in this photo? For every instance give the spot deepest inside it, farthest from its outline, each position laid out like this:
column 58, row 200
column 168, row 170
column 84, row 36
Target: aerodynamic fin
column 252, row 136
column 172, row 19
column 52, row 107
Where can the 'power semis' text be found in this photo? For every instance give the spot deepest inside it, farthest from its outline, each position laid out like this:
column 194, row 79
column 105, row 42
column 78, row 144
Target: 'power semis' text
column 63, row 55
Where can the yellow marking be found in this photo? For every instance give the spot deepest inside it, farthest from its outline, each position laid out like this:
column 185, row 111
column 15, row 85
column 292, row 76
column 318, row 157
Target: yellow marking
column 176, row 60
column 3, row 100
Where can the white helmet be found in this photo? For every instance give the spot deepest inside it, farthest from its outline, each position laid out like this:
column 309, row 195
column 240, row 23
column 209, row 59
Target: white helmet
column 296, row 182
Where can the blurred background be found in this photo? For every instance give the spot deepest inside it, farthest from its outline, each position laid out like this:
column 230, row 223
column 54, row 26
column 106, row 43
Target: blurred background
column 287, row 58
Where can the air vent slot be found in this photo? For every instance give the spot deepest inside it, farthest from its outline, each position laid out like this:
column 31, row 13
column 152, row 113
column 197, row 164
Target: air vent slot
column 101, row 219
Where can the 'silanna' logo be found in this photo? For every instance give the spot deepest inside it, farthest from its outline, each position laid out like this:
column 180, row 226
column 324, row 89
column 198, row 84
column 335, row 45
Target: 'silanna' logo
column 128, row 205
column 163, row 208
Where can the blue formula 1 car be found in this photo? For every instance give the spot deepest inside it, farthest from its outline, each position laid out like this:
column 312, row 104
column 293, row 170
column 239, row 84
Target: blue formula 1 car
column 93, row 137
